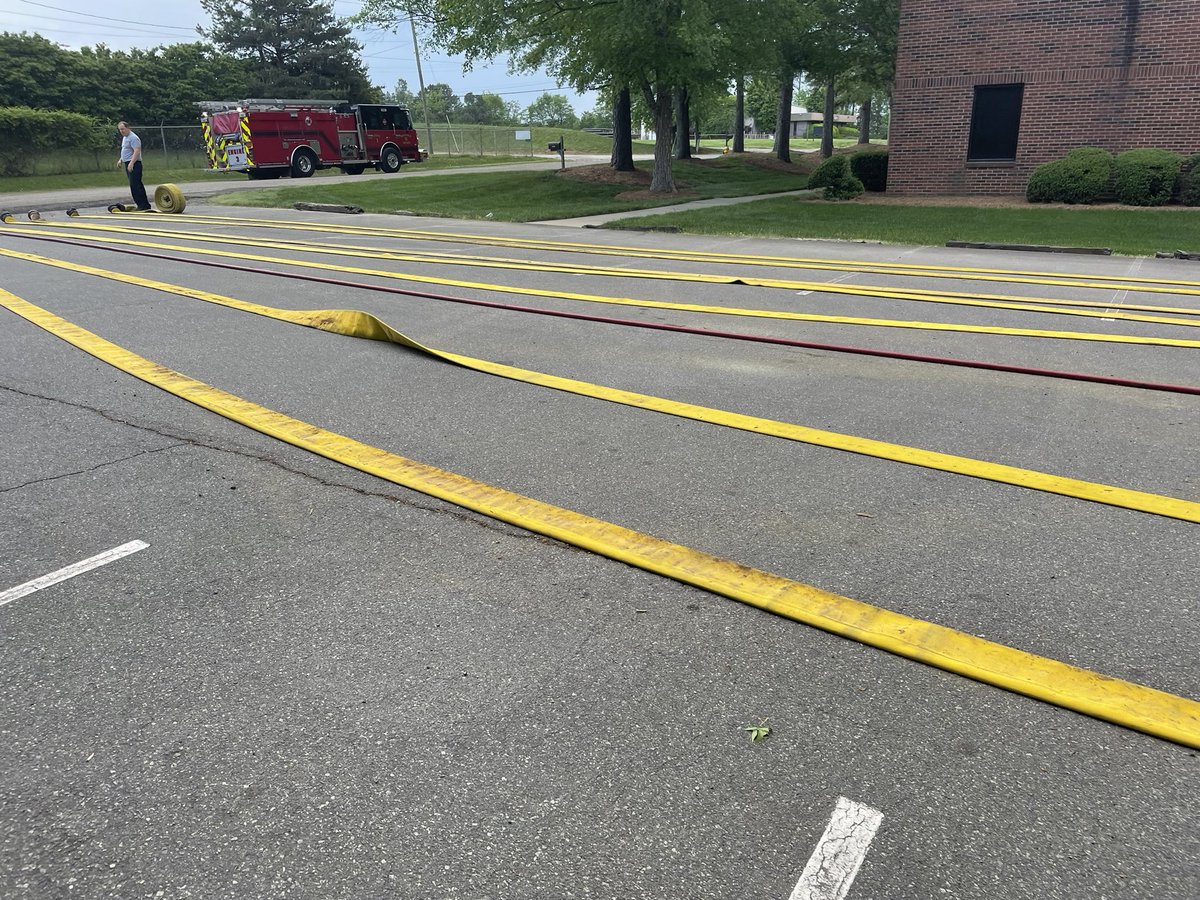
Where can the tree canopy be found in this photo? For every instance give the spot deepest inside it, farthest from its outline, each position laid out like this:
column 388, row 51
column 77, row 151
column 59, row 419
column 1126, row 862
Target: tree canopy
column 553, row 110
column 651, row 48
column 158, row 85
column 294, row 48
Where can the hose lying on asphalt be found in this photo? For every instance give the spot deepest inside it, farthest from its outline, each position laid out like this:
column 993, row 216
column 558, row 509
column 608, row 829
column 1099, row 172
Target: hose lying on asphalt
column 1124, row 703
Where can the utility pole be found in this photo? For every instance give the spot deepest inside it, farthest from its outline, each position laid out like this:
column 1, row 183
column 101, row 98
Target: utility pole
column 421, row 81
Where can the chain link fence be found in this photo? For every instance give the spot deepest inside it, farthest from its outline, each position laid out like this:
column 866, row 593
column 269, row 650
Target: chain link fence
column 163, row 146
column 182, row 146
column 473, row 140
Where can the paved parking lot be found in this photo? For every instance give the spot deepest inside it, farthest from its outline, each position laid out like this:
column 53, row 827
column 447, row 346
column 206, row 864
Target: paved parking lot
column 315, row 683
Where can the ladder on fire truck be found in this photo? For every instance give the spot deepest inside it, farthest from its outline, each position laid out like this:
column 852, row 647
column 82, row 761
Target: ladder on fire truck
column 266, row 103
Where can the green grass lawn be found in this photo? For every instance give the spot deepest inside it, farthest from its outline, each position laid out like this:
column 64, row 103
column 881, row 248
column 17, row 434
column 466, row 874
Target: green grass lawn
column 155, row 174
column 524, row 196
column 1127, row 230
column 530, row 196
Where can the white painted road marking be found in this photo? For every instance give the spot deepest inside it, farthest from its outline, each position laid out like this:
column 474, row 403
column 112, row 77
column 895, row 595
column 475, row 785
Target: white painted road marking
column 834, row 864
column 1122, row 296
column 100, row 559
column 846, row 277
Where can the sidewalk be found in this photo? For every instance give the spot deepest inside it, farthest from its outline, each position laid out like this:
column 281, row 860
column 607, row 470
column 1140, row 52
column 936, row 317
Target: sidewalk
column 605, row 218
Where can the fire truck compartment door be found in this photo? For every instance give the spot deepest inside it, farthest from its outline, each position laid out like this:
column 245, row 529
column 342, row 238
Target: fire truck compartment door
column 348, row 141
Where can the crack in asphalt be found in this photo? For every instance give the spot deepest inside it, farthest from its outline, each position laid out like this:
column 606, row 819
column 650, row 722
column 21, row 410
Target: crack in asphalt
column 111, row 462
column 181, row 440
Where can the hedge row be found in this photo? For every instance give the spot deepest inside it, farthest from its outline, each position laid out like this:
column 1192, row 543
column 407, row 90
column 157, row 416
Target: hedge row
column 1142, row 177
column 27, row 133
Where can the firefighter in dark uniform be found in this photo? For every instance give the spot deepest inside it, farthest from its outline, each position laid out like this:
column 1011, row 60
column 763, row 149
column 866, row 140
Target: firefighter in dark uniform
column 131, row 159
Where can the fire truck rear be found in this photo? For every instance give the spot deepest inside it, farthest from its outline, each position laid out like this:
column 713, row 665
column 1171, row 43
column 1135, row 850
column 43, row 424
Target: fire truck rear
column 269, row 138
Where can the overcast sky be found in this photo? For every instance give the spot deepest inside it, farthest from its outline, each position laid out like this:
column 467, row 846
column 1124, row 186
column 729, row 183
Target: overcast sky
column 388, row 56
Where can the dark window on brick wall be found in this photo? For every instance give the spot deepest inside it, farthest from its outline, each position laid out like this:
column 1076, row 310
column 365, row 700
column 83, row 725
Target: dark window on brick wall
column 995, row 122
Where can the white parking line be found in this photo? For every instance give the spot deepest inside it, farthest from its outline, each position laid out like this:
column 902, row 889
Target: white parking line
column 1122, row 296
column 100, row 559
column 835, row 862
column 845, row 277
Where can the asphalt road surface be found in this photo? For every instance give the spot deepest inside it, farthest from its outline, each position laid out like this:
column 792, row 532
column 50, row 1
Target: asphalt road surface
column 314, row 683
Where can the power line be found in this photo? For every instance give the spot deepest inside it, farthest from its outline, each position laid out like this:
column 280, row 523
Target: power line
column 76, row 12
column 124, row 33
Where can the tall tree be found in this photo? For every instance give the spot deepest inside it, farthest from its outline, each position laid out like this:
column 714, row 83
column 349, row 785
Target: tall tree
column 683, row 123
column 483, row 109
column 441, row 101
column 782, row 58
column 553, row 110
column 295, row 47
column 651, row 46
column 600, row 115
column 830, row 108
column 402, row 95
column 783, row 115
column 179, row 75
column 853, row 44
column 622, row 121
column 762, row 92
column 864, row 122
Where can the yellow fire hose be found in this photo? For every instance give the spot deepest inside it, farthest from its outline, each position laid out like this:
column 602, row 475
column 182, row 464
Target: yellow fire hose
column 1124, row 703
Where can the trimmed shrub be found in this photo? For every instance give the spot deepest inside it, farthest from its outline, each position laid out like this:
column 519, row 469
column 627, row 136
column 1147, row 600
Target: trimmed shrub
column 834, row 175
column 871, row 168
column 1147, row 177
column 1082, row 176
column 1187, row 191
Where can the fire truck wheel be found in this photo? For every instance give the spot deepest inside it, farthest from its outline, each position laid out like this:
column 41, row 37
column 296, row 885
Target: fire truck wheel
column 169, row 199
column 391, row 161
column 353, row 170
column 303, row 164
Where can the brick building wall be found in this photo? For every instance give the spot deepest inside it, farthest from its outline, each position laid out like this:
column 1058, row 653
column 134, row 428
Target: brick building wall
column 1115, row 74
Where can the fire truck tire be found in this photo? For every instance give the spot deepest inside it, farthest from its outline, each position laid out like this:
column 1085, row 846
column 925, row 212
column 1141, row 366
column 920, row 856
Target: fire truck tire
column 353, row 170
column 303, row 164
column 391, row 160
column 169, row 199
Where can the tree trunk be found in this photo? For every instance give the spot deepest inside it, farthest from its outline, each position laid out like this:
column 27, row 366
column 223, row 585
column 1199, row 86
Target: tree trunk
column 622, row 152
column 864, row 122
column 783, row 117
column 739, row 116
column 683, row 125
column 827, row 131
column 659, row 99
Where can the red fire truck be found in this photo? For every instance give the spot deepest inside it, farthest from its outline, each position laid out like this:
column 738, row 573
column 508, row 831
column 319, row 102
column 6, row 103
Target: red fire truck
column 270, row 138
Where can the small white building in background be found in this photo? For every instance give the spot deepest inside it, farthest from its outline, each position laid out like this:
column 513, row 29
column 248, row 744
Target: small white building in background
column 804, row 123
